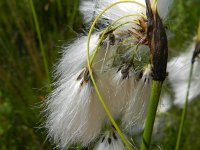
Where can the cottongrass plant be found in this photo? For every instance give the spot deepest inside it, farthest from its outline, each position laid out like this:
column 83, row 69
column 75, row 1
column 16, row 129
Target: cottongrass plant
column 105, row 78
column 195, row 86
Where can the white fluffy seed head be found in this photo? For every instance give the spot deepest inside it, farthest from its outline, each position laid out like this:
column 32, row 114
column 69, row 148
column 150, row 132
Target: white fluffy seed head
column 74, row 112
column 179, row 68
column 91, row 8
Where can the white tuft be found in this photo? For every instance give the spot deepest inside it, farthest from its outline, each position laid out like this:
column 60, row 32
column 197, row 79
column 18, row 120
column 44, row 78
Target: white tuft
column 74, row 113
column 90, row 9
column 178, row 69
column 87, row 8
column 74, row 57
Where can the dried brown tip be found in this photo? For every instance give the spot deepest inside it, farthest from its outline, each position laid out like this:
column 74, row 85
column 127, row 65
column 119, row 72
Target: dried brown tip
column 196, row 52
column 84, row 76
column 157, row 41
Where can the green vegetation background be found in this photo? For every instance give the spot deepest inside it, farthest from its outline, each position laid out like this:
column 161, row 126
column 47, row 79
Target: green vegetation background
column 23, row 83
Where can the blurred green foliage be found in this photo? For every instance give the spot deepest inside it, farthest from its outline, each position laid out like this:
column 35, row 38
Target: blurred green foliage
column 22, row 78
column 183, row 23
column 23, row 83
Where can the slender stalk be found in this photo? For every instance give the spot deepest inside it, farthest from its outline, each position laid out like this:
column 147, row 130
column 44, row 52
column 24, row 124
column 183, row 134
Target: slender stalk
column 184, row 112
column 78, row 147
column 151, row 113
column 59, row 7
column 40, row 42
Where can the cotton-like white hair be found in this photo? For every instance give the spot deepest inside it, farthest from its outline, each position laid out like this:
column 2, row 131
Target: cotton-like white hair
column 133, row 119
column 90, row 9
column 87, row 8
column 120, row 10
column 123, row 89
column 74, row 57
column 110, row 141
column 179, row 68
column 74, row 113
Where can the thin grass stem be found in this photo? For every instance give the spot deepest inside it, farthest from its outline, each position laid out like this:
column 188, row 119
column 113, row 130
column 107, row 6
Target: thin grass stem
column 184, row 112
column 59, row 7
column 40, row 43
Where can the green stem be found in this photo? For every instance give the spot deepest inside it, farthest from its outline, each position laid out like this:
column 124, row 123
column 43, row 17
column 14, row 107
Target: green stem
column 78, row 147
column 151, row 113
column 59, row 7
column 40, row 42
column 184, row 112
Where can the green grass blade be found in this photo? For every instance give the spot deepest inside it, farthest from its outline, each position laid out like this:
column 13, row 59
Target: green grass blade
column 184, row 112
column 40, row 42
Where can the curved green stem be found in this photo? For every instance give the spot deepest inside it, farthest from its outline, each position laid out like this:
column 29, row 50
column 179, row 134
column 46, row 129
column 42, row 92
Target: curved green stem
column 107, row 30
column 92, row 77
column 151, row 113
column 184, row 112
column 107, row 110
column 107, row 8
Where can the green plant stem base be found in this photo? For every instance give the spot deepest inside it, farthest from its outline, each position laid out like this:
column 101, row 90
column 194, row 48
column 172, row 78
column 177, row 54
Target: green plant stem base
column 151, row 113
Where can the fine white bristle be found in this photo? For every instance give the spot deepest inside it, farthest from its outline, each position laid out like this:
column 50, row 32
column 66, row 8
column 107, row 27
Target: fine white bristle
column 74, row 113
column 123, row 88
column 74, row 56
column 133, row 119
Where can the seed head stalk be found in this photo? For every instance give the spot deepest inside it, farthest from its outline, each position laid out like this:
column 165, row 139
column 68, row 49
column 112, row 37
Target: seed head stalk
column 158, row 44
column 184, row 112
column 151, row 113
column 41, row 43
